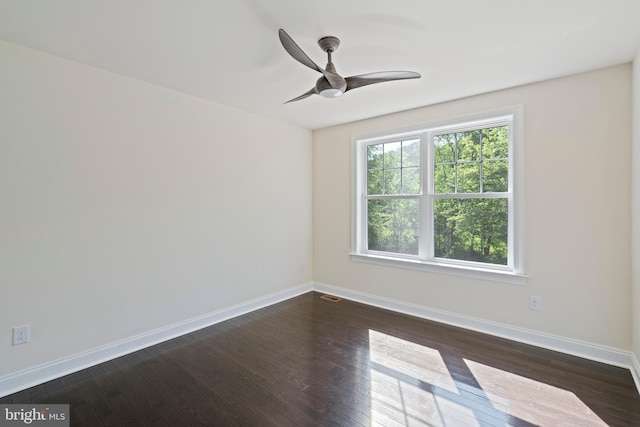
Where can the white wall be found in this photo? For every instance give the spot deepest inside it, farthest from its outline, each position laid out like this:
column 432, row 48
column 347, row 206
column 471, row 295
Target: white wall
column 635, row 214
column 126, row 207
column 577, row 208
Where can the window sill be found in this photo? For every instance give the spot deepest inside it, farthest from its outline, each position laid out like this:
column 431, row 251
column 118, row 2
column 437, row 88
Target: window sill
column 434, row 267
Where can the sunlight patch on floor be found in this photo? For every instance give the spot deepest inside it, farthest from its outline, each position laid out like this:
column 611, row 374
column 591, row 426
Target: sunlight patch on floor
column 534, row 401
column 411, row 385
column 422, row 363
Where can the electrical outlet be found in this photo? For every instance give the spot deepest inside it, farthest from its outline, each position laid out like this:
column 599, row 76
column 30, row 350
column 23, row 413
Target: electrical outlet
column 535, row 303
column 21, row 335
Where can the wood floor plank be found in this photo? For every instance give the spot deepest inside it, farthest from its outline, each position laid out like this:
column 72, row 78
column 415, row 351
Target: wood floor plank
column 308, row 361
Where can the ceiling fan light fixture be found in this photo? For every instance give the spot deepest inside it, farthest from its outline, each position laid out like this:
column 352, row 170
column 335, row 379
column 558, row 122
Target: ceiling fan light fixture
column 331, row 93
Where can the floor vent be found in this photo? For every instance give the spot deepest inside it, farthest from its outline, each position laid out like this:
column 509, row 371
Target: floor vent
column 331, row 298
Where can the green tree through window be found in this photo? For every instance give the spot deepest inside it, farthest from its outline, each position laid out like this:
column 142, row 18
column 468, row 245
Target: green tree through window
column 467, row 165
column 393, row 174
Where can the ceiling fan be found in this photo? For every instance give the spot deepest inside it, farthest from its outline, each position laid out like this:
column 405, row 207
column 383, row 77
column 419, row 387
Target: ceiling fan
column 331, row 84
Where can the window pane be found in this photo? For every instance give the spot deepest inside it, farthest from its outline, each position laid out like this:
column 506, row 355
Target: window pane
column 411, row 180
column 411, row 153
column 469, row 177
column 444, row 179
column 495, row 143
column 393, row 168
column 374, row 181
column 393, row 225
column 469, row 145
column 392, row 154
column 480, row 157
column 374, row 156
column 495, row 176
column 392, row 184
column 471, row 229
column 444, row 149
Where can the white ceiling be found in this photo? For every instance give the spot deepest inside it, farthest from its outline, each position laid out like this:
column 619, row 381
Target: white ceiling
column 228, row 51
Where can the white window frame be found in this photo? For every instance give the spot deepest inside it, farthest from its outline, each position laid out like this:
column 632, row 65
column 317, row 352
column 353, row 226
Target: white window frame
column 513, row 272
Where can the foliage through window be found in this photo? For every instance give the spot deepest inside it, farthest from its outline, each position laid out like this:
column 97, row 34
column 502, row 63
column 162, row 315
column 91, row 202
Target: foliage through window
column 468, row 223
column 440, row 195
column 393, row 184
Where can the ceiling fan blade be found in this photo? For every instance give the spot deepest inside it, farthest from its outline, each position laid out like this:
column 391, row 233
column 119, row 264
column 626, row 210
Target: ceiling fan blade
column 379, row 77
column 310, row 92
column 296, row 52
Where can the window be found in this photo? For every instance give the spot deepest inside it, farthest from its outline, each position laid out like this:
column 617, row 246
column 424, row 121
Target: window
column 442, row 197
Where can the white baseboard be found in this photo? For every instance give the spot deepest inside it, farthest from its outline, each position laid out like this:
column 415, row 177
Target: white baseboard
column 15, row 382
column 608, row 355
column 21, row 380
column 635, row 371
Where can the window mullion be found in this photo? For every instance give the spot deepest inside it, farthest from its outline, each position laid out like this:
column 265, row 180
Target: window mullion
column 455, row 163
column 481, row 159
column 426, row 201
column 363, row 237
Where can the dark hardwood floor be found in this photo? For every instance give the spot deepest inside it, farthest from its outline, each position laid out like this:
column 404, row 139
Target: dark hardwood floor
column 308, row 362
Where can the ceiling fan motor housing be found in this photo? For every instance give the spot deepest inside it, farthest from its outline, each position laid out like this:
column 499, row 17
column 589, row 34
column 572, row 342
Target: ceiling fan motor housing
column 325, row 89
